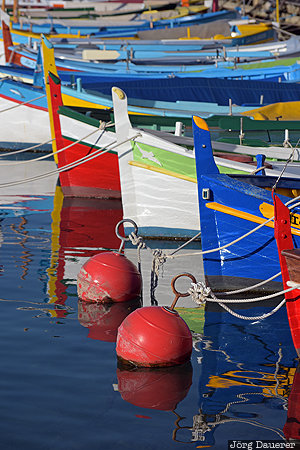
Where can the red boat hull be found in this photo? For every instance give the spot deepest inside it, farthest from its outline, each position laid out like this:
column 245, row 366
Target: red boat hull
column 97, row 177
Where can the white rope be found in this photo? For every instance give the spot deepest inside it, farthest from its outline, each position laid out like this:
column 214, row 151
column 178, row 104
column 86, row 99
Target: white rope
column 69, row 166
column 160, row 257
column 258, row 170
column 290, row 158
column 200, row 293
column 50, row 155
column 212, row 250
column 250, row 422
column 22, row 150
column 23, row 103
column 204, row 252
column 239, row 291
column 263, row 316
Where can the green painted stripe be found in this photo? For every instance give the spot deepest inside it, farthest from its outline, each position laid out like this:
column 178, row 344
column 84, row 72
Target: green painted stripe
column 164, row 159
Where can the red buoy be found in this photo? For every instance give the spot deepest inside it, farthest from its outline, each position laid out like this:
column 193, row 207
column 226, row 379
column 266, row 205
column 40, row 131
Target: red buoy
column 160, row 389
column 154, row 336
column 104, row 319
column 108, row 277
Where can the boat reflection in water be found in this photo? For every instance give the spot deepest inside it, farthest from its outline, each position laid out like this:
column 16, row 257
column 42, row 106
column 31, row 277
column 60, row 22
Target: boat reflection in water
column 246, row 367
column 292, row 426
column 81, row 228
column 238, row 398
column 242, row 397
column 103, row 319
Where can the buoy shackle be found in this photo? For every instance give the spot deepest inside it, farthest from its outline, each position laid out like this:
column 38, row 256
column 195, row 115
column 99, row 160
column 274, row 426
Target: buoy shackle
column 124, row 238
column 177, row 293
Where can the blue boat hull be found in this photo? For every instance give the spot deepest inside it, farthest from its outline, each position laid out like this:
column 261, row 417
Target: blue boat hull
column 230, row 208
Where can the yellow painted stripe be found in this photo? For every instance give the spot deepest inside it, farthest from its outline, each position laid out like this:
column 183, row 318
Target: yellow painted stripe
column 49, row 65
column 267, row 211
column 49, row 35
column 163, row 171
column 69, row 100
column 243, row 215
column 55, row 232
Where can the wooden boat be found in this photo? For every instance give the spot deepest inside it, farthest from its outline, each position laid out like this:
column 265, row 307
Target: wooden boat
column 230, row 208
column 231, row 133
column 213, row 50
column 72, row 57
column 145, row 162
column 33, row 108
column 26, row 104
column 281, row 111
column 100, row 177
column 82, row 57
column 118, row 27
column 149, row 163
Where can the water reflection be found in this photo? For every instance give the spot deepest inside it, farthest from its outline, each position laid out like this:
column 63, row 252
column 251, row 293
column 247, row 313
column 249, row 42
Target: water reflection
column 160, row 388
column 243, row 371
column 81, row 228
column 244, row 386
column 292, row 426
column 103, row 319
column 247, row 371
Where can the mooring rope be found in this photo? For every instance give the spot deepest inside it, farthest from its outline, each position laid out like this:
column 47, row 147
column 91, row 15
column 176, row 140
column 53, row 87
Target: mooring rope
column 160, row 257
column 200, row 293
column 23, row 103
column 50, row 155
column 239, row 291
column 102, row 127
column 22, row 150
column 93, row 155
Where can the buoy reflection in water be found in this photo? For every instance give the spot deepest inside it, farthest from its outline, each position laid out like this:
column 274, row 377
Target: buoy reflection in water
column 103, row 319
column 159, row 388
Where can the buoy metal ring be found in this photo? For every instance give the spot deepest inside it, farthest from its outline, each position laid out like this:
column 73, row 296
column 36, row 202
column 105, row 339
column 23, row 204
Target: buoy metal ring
column 177, row 293
column 124, row 238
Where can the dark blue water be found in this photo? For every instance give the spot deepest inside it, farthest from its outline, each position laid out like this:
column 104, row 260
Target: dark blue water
column 60, row 385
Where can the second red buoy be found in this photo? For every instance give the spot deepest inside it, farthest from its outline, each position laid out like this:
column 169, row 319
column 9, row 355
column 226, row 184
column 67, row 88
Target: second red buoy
column 155, row 336
column 109, row 277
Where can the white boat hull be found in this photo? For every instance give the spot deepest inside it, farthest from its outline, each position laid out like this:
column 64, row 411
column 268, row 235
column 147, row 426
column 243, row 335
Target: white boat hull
column 23, row 126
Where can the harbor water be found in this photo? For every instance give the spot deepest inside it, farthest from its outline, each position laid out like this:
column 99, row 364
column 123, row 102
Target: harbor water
column 60, row 382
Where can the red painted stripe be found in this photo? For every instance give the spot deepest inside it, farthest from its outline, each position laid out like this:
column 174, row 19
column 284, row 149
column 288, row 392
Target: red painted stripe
column 284, row 240
column 30, row 105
